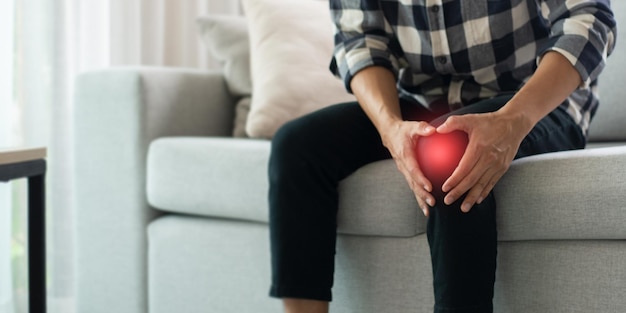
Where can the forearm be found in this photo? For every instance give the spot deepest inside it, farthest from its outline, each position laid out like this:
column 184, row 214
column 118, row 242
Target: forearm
column 375, row 89
column 554, row 80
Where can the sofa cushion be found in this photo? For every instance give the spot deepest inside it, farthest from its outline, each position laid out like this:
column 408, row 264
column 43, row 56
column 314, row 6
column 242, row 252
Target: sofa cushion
column 608, row 124
column 202, row 265
column 291, row 44
column 565, row 195
column 227, row 178
column 209, row 176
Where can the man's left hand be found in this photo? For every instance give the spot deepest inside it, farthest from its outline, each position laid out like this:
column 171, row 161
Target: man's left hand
column 494, row 139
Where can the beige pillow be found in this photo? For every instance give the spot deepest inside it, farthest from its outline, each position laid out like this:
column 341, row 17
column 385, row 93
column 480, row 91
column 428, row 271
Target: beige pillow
column 291, row 44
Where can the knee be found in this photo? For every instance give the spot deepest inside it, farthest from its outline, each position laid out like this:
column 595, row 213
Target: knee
column 438, row 156
column 286, row 142
column 290, row 146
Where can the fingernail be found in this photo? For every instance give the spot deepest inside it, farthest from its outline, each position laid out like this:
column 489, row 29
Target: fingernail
column 466, row 207
column 426, row 188
column 480, row 200
column 449, row 200
column 430, row 202
column 429, row 128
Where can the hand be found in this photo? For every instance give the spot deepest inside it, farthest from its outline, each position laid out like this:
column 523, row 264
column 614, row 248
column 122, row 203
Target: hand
column 400, row 139
column 494, row 139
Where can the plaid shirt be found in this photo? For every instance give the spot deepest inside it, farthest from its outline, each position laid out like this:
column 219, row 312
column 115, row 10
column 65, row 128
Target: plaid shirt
column 460, row 51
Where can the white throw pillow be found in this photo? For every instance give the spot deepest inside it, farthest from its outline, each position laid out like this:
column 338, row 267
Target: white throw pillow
column 226, row 38
column 291, row 44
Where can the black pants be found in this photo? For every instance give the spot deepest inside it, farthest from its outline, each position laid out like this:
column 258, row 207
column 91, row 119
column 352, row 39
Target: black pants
column 309, row 157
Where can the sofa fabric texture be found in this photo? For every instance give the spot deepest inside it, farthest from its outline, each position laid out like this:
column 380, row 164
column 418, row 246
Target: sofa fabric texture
column 171, row 210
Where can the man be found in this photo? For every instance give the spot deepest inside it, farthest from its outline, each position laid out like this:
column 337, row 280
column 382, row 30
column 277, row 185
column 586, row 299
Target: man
column 517, row 76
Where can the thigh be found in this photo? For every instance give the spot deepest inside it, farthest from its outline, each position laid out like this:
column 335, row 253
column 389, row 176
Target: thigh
column 484, row 106
column 555, row 132
column 339, row 138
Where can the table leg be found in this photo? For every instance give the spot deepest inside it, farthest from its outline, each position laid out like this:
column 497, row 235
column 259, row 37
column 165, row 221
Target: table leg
column 37, row 244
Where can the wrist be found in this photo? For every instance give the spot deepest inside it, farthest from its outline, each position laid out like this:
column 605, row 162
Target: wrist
column 521, row 119
column 388, row 128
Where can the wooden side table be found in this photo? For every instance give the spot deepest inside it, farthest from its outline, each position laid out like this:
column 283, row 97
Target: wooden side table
column 31, row 164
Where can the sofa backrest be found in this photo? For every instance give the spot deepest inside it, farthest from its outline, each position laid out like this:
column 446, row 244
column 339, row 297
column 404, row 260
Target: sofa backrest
column 609, row 124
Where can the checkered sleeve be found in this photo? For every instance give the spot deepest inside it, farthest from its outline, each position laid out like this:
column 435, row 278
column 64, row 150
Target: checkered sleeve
column 363, row 38
column 583, row 31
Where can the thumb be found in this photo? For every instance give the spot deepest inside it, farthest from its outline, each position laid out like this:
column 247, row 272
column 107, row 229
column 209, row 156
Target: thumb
column 424, row 129
column 452, row 123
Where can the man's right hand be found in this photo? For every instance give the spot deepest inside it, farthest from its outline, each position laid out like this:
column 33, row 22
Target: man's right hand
column 375, row 88
column 400, row 138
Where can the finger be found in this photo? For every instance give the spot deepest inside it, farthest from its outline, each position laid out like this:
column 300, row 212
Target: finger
column 484, row 175
column 410, row 165
column 475, row 192
column 469, row 181
column 425, row 196
column 456, row 122
column 417, row 175
column 490, row 186
column 422, row 194
column 423, row 205
column 423, row 129
column 501, row 167
column 469, row 160
column 424, row 199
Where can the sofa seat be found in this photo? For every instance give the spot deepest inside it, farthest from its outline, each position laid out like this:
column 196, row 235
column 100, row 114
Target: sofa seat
column 376, row 200
column 179, row 169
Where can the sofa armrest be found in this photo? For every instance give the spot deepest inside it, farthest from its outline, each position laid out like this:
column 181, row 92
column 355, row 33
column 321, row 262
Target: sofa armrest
column 118, row 112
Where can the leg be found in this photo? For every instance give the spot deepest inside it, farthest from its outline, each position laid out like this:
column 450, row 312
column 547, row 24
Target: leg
column 36, row 244
column 309, row 157
column 463, row 245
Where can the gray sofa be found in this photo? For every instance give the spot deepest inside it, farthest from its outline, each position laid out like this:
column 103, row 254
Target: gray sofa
column 172, row 211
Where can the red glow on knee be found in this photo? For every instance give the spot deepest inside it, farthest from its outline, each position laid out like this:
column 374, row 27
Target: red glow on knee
column 438, row 156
